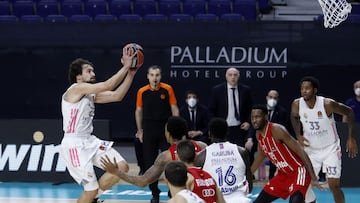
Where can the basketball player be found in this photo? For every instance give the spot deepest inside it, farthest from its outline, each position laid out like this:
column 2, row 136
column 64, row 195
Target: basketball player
column 295, row 172
column 175, row 178
column 227, row 163
column 175, row 130
column 320, row 137
column 199, row 181
column 79, row 148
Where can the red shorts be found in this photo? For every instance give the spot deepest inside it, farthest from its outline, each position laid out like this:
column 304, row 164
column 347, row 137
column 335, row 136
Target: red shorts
column 285, row 184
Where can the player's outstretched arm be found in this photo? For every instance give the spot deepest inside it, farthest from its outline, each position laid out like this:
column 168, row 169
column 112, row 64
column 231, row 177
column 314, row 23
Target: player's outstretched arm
column 152, row 174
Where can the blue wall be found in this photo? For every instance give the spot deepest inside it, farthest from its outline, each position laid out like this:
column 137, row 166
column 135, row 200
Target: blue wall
column 35, row 58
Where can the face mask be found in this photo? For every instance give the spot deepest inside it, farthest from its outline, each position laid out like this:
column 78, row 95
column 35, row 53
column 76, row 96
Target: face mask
column 357, row 91
column 271, row 103
column 192, row 102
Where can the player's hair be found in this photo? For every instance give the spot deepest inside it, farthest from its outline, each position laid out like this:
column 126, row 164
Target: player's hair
column 191, row 92
column 185, row 150
column 218, row 129
column 154, row 67
column 261, row 107
column 176, row 173
column 76, row 69
column 314, row 82
column 176, row 126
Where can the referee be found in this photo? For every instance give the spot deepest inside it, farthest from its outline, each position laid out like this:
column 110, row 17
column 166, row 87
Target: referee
column 155, row 103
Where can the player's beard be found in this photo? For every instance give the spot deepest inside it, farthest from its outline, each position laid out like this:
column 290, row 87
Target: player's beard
column 92, row 81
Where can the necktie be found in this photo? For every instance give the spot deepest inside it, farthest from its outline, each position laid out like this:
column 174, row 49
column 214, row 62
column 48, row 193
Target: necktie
column 192, row 117
column 235, row 106
column 270, row 114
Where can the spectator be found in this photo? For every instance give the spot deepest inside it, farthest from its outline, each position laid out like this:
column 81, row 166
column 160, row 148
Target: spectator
column 232, row 101
column 197, row 117
column 354, row 102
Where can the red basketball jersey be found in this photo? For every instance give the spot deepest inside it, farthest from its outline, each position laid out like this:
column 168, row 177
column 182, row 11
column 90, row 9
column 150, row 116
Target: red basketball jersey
column 172, row 149
column 278, row 153
column 204, row 184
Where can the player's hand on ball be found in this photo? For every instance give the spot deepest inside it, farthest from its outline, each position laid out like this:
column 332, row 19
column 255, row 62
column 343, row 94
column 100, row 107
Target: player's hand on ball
column 109, row 166
column 127, row 57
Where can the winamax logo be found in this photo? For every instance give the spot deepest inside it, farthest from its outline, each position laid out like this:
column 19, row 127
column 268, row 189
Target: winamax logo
column 36, row 158
column 206, row 62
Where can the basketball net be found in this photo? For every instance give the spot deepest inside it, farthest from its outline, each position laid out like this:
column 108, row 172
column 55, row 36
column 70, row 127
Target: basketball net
column 335, row 12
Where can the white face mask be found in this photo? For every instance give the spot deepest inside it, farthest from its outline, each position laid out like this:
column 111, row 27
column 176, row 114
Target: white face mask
column 192, row 102
column 357, row 91
column 271, row 103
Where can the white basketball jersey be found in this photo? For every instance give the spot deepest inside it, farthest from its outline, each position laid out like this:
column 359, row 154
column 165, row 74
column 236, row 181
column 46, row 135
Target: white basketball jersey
column 225, row 164
column 318, row 128
column 78, row 117
column 190, row 196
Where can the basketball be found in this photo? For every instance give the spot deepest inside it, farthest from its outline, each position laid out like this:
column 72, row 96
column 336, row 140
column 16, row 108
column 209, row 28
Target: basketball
column 138, row 59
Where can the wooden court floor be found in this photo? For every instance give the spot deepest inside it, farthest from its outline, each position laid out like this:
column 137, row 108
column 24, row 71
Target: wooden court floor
column 121, row 193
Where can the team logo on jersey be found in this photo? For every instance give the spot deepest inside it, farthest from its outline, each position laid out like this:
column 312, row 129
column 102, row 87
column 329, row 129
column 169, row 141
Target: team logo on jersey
column 162, row 96
column 305, row 115
column 319, row 113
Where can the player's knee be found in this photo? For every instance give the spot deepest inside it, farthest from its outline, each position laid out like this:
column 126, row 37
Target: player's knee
column 297, row 197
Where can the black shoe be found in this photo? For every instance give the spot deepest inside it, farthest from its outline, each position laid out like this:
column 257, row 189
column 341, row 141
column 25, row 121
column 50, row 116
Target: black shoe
column 155, row 200
column 97, row 200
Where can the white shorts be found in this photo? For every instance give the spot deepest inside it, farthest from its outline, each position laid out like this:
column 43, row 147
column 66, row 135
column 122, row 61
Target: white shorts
column 239, row 195
column 81, row 153
column 328, row 159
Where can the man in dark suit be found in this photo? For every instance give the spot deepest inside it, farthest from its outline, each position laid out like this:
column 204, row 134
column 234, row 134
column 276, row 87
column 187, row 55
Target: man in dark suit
column 196, row 116
column 277, row 114
column 233, row 102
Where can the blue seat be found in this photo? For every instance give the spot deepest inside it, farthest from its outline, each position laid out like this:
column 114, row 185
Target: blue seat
column 353, row 18
column 119, row 7
column 231, row 17
column 95, row 7
column 105, row 18
column 355, row 8
column 8, row 19
column 47, row 7
column 143, row 7
column 219, row 7
column 55, row 19
column 181, row 18
column 80, row 18
column 71, row 7
column 155, row 18
column 207, row 17
column 21, row 8
column 264, row 6
column 130, row 18
column 168, row 7
column 5, row 8
column 194, row 7
column 31, row 19
column 246, row 8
